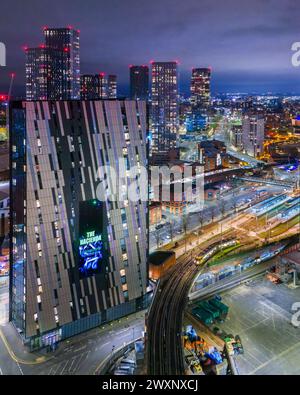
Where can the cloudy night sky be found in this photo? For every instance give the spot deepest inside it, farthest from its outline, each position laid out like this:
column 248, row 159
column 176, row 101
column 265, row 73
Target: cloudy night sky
column 247, row 43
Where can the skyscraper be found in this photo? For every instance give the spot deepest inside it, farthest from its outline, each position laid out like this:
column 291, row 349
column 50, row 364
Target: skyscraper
column 200, row 87
column 103, row 88
column 45, row 68
column 200, row 99
column 78, row 245
column 139, row 82
column 112, row 86
column 67, row 40
column 93, row 86
column 253, row 134
column 164, row 106
column 89, row 87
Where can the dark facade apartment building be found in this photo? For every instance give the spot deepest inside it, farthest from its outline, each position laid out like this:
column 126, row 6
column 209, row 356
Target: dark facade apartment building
column 139, row 82
column 78, row 246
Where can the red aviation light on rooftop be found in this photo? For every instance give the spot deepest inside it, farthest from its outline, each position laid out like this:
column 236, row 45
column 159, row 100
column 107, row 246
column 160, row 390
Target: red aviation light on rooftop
column 3, row 97
column 45, row 28
column 70, row 27
column 101, row 74
column 12, row 75
column 42, row 46
column 25, row 48
column 66, row 49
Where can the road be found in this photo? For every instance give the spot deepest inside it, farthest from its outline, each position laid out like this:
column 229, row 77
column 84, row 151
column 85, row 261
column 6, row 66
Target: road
column 4, row 300
column 7, row 365
column 80, row 355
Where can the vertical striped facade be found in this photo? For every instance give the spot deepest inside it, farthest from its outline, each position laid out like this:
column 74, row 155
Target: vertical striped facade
column 57, row 149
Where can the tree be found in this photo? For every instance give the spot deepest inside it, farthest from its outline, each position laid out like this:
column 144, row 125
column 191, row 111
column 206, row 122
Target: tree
column 171, row 229
column 212, row 211
column 185, row 223
column 157, row 237
column 234, row 204
column 222, row 208
column 201, row 221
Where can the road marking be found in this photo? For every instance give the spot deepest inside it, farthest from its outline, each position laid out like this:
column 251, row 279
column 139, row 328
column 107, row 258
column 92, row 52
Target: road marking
column 124, row 330
column 57, row 367
column 70, row 367
column 20, row 369
column 64, row 366
column 80, row 348
column 18, row 360
column 274, row 358
column 1, row 372
column 102, row 345
column 50, row 372
column 76, row 366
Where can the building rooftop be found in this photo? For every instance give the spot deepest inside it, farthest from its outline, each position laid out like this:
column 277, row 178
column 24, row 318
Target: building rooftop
column 293, row 257
column 157, row 258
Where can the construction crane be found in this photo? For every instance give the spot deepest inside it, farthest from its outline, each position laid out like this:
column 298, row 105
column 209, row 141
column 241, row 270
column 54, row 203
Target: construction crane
column 12, row 77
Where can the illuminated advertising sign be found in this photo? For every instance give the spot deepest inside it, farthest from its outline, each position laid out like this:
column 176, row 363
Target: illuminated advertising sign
column 92, row 242
column 90, row 252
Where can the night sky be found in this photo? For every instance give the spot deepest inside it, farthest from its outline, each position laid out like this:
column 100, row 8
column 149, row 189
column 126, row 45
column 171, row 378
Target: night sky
column 247, row 43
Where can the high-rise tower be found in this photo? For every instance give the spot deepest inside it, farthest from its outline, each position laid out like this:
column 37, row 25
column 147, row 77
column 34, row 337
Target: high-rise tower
column 164, row 106
column 139, row 82
column 67, row 40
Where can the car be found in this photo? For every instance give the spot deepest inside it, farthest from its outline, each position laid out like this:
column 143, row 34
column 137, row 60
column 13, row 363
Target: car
column 238, row 344
column 197, row 368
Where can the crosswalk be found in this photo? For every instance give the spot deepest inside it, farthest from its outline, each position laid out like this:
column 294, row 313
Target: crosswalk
column 68, row 367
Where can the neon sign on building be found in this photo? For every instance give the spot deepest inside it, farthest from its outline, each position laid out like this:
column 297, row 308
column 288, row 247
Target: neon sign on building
column 91, row 252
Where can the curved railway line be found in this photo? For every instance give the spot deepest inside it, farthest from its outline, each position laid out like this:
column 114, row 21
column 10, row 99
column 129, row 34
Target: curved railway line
column 164, row 321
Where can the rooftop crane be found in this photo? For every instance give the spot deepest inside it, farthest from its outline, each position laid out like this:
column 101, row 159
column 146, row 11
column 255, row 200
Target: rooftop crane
column 12, row 77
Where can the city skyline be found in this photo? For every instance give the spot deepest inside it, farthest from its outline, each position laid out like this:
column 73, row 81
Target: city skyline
column 150, row 190
column 258, row 41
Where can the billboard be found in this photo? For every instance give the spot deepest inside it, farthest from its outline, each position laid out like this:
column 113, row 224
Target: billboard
column 92, row 243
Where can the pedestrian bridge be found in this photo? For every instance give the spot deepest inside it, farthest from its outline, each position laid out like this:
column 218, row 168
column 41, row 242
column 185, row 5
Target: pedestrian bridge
column 269, row 181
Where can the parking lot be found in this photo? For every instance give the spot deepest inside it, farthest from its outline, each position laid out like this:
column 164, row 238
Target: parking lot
column 260, row 313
